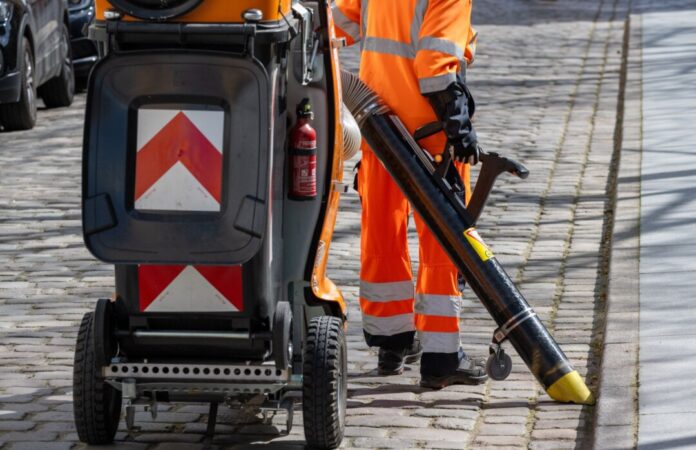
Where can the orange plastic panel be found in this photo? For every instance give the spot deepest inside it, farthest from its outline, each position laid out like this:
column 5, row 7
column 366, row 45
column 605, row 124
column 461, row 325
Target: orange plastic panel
column 221, row 11
column 322, row 286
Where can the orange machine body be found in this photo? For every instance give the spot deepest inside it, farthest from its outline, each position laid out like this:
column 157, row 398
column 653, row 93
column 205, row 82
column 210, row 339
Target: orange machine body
column 219, row 11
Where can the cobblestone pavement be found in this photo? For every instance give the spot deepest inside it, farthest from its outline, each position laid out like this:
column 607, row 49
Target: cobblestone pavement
column 546, row 80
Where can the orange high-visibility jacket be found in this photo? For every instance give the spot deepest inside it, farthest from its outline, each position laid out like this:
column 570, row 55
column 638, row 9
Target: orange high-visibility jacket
column 409, row 47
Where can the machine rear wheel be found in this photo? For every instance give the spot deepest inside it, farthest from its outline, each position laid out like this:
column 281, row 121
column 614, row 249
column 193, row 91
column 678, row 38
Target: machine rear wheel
column 282, row 329
column 325, row 386
column 96, row 404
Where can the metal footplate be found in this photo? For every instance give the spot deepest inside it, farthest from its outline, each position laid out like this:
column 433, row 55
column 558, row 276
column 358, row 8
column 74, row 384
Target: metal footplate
column 262, row 373
column 499, row 364
column 133, row 379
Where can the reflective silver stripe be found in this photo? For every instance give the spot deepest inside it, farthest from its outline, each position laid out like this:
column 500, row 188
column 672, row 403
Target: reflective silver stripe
column 440, row 45
column 439, row 342
column 386, row 292
column 473, row 38
column 437, row 83
column 438, row 305
column 462, row 69
column 348, row 26
column 364, row 4
column 417, row 23
column 388, row 47
column 388, row 326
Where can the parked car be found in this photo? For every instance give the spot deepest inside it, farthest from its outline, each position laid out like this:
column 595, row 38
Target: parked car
column 35, row 59
column 84, row 50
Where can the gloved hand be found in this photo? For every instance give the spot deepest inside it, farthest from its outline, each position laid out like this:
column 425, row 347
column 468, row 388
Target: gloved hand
column 454, row 107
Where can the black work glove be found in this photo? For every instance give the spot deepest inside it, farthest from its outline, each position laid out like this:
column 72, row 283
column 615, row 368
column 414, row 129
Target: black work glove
column 454, row 107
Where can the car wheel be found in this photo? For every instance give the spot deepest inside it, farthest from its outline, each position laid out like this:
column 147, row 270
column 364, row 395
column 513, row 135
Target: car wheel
column 22, row 114
column 60, row 90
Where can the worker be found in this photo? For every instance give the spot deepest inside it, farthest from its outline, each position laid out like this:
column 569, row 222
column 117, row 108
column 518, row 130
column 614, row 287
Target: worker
column 414, row 56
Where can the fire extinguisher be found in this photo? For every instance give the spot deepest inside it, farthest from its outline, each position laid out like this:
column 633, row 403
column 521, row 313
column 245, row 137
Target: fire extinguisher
column 303, row 154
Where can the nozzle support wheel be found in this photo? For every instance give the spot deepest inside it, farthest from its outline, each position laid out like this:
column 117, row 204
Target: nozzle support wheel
column 499, row 365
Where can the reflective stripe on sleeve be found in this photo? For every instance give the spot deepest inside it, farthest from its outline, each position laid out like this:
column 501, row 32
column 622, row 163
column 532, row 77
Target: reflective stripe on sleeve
column 438, row 305
column 386, row 309
column 388, row 326
column 439, row 342
column 440, row 45
column 418, row 15
column 363, row 18
column 385, row 292
column 439, row 324
column 388, row 47
column 437, row 83
column 348, row 26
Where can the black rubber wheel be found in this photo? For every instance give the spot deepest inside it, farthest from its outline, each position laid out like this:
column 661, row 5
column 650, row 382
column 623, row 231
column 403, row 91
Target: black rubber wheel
column 282, row 333
column 325, row 385
column 104, row 332
column 22, row 114
column 499, row 368
column 60, row 90
column 96, row 404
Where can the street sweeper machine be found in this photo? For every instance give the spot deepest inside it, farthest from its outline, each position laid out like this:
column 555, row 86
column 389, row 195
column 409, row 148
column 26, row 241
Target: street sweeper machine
column 214, row 143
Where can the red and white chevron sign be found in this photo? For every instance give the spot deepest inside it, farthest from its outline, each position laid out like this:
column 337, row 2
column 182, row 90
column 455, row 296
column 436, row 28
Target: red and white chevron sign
column 190, row 288
column 179, row 161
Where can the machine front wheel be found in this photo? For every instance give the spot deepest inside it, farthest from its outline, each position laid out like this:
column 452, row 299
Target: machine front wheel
column 96, row 404
column 325, row 386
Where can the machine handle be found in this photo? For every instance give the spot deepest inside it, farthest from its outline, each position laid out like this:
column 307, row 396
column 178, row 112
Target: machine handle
column 492, row 165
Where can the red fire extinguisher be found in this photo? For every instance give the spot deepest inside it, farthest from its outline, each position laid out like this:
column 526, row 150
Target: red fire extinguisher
column 303, row 154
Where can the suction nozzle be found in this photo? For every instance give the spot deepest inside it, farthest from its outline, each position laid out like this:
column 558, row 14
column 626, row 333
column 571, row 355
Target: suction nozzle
column 570, row 388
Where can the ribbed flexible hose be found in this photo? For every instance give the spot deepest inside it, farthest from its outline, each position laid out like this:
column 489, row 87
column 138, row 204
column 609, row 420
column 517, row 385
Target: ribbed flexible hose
column 359, row 98
column 351, row 134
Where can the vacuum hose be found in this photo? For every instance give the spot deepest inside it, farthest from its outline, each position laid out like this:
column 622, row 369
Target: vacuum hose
column 453, row 227
column 351, row 134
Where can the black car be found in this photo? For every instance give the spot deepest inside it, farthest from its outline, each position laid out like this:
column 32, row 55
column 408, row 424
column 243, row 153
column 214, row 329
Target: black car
column 84, row 50
column 35, row 58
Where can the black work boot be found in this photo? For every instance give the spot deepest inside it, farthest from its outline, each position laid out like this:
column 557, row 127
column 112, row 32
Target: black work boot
column 470, row 371
column 391, row 361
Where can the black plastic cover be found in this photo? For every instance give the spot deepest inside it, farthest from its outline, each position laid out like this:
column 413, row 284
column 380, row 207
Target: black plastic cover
column 237, row 89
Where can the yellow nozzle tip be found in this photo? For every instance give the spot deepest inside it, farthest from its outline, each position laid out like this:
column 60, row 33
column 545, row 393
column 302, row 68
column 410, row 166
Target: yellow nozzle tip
column 570, row 388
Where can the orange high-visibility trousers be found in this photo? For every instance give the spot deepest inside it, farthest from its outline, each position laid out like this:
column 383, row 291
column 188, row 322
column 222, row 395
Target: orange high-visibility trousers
column 409, row 48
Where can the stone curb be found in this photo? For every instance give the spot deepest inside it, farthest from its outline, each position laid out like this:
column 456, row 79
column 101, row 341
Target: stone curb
column 616, row 414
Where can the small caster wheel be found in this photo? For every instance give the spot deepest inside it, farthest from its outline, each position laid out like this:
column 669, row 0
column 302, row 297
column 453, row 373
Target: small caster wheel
column 499, row 365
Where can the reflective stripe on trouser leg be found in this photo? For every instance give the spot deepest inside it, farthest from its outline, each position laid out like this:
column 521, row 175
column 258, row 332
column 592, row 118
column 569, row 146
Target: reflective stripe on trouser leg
column 437, row 296
column 437, row 322
column 386, row 286
column 387, row 308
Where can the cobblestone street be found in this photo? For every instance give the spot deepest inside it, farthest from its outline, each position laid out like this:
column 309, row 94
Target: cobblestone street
column 546, row 80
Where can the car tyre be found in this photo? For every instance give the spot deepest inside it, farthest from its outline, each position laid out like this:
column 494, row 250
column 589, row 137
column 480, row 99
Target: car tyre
column 60, row 90
column 22, row 114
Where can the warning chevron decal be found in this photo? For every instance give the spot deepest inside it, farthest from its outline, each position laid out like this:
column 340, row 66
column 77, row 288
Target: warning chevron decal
column 190, row 288
column 179, row 160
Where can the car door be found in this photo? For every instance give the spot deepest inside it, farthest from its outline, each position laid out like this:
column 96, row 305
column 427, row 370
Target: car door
column 47, row 26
